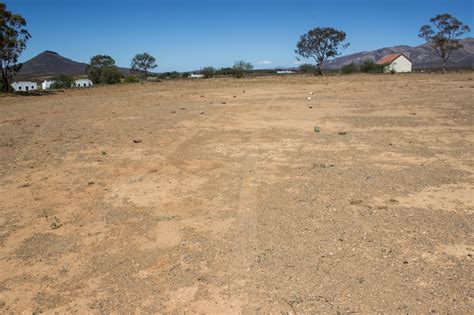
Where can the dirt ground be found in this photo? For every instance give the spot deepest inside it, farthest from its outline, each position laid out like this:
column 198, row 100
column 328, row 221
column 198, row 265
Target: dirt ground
column 218, row 196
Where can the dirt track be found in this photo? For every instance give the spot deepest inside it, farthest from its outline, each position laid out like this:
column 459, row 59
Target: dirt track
column 241, row 208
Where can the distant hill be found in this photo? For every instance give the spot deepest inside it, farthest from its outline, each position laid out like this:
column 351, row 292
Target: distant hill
column 50, row 63
column 423, row 56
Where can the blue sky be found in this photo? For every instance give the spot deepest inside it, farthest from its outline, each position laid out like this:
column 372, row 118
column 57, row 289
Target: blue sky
column 191, row 34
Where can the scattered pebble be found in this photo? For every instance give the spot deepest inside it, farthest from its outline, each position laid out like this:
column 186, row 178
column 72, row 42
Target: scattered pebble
column 342, row 133
column 91, row 182
column 317, row 129
column 137, row 140
column 201, row 113
column 183, row 108
column 310, row 106
column 223, row 103
column 309, row 98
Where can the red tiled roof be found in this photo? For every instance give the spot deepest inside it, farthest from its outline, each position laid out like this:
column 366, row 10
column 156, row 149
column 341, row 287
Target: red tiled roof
column 388, row 59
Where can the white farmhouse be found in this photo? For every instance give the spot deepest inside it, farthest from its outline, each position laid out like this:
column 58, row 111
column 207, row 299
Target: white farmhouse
column 196, row 76
column 82, row 83
column 46, row 85
column 24, row 86
column 395, row 63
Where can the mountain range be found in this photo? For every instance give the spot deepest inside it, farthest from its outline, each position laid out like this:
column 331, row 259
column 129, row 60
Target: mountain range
column 50, row 63
column 422, row 57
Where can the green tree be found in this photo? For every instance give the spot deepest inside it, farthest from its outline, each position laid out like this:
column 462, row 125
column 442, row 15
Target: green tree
column 443, row 35
column 97, row 65
column 369, row 66
column 142, row 63
column 241, row 67
column 208, row 72
column 110, row 75
column 321, row 43
column 13, row 38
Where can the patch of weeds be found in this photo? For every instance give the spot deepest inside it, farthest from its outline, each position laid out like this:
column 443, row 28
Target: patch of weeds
column 55, row 224
column 168, row 218
column 64, row 269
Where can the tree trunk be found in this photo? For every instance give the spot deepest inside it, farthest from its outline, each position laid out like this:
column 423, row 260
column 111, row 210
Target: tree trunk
column 4, row 77
column 318, row 71
column 6, row 84
column 444, row 66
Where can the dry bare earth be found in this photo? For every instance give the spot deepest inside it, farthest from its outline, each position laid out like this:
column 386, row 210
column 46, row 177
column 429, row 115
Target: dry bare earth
column 243, row 208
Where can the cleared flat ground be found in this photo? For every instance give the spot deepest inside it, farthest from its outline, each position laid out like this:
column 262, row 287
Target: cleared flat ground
column 243, row 208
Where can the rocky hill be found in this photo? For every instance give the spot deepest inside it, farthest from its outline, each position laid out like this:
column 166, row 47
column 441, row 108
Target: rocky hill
column 50, row 63
column 423, row 56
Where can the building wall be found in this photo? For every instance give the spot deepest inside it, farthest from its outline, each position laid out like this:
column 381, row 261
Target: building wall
column 82, row 83
column 24, row 86
column 401, row 64
column 46, row 84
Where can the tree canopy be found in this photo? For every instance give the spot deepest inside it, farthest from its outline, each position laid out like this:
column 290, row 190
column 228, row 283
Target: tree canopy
column 143, row 63
column 102, row 69
column 321, row 43
column 443, row 34
column 13, row 38
column 240, row 67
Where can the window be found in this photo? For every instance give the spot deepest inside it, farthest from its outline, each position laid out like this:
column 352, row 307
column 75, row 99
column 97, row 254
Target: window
column 26, row 88
column 85, row 84
column 19, row 88
column 32, row 87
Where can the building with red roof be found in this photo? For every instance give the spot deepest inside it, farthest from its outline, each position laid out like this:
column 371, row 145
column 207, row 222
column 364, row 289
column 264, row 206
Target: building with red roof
column 395, row 63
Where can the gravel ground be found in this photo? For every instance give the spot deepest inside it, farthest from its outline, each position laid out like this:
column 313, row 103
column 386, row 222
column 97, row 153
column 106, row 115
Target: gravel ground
column 240, row 196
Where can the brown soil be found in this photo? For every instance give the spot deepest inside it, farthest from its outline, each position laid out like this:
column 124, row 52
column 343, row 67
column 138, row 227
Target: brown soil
column 243, row 208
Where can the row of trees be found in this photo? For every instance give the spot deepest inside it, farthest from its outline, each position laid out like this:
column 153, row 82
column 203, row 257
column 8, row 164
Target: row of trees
column 323, row 43
column 239, row 69
column 102, row 68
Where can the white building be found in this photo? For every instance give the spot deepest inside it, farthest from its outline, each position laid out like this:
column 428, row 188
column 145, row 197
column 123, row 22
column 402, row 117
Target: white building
column 46, row 85
column 82, row 83
column 395, row 63
column 24, row 86
column 196, row 76
column 285, row 72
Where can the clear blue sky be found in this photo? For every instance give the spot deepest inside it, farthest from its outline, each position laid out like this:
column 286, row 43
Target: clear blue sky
column 191, row 34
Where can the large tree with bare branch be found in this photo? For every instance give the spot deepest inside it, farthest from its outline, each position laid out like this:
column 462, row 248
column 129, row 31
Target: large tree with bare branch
column 321, row 43
column 443, row 35
column 13, row 38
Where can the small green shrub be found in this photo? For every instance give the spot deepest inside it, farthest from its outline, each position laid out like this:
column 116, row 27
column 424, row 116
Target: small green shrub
column 62, row 82
column 349, row 68
column 369, row 66
column 307, row 68
column 131, row 79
